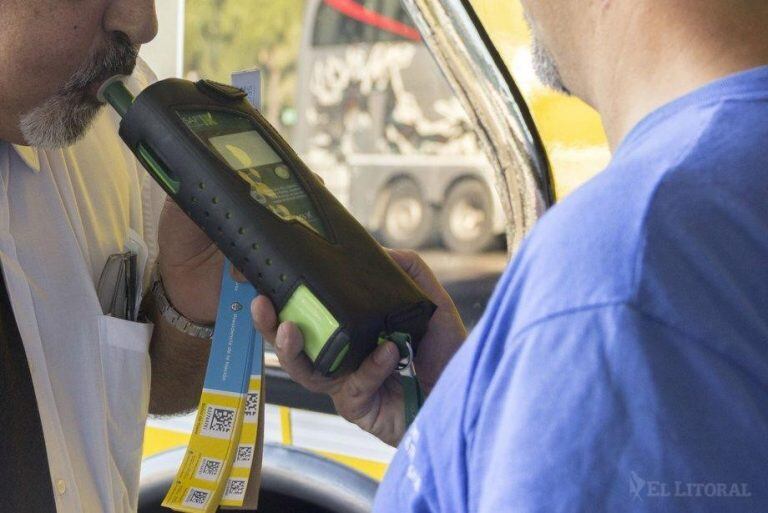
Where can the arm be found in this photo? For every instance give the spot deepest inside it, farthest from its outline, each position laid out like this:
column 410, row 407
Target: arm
column 190, row 267
column 178, row 365
column 607, row 408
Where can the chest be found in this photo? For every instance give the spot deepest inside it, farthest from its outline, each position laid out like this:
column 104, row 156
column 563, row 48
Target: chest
column 75, row 211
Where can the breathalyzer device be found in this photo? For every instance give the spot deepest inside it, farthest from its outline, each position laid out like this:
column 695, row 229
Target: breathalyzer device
column 240, row 181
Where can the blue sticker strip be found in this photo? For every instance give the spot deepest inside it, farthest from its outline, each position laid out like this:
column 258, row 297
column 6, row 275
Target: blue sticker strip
column 223, row 402
column 233, row 336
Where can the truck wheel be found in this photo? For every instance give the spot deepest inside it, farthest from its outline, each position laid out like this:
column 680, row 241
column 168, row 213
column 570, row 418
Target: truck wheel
column 466, row 221
column 407, row 219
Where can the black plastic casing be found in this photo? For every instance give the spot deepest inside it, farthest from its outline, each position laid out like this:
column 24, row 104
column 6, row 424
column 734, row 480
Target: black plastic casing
column 354, row 278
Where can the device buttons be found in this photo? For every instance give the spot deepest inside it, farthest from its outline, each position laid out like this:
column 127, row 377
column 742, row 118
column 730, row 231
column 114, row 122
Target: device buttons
column 219, row 91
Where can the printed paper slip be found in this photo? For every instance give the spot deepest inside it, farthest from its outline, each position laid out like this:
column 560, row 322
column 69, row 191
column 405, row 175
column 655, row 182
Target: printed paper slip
column 201, row 479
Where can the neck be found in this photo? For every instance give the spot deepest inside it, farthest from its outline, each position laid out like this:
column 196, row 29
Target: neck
column 684, row 51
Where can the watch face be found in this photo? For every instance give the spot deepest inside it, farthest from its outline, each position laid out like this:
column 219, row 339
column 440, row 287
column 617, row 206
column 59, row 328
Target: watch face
column 270, row 180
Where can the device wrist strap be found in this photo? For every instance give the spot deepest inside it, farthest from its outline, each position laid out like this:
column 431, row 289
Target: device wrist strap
column 413, row 397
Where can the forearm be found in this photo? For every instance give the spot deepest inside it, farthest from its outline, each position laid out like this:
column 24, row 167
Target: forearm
column 178, row 365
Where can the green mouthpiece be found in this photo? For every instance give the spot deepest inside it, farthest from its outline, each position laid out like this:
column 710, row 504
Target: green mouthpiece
column 114, row 92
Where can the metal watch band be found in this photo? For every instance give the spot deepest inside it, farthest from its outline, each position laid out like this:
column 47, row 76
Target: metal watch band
column 172, row 316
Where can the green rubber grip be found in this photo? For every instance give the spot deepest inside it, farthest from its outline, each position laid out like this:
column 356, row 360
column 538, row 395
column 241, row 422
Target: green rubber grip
column 314, row 320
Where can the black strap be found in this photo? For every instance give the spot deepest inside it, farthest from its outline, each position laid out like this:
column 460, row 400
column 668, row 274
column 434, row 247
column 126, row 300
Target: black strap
column 25, row 480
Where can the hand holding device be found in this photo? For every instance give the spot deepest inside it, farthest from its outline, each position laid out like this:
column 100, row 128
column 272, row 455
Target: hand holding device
column 372, row 397
column 233, row 174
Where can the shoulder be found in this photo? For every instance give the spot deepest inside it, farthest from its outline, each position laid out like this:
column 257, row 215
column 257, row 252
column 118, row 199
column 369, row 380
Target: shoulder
column 583, row 251
column 686, row 184
column 704, row 249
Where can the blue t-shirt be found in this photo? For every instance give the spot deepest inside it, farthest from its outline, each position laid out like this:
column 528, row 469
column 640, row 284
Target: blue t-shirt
column 622, row 362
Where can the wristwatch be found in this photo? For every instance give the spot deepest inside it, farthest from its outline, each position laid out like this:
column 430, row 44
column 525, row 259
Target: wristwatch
column 171, row 315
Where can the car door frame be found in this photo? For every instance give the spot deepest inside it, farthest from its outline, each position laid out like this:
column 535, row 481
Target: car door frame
column 497, row 110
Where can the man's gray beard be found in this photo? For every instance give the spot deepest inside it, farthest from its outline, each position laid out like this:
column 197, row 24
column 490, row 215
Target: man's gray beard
column 60, row 121
column 545, row 67
column 63, row 119
column 544, row 64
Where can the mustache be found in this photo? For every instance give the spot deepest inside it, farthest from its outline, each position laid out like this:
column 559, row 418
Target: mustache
column 117, row 58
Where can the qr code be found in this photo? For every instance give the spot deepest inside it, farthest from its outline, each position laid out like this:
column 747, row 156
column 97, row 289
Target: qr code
column 244, row 455
column 252, row 407
column 219, row 421
column 208, row 469
column 196, row 498
column 235, row 489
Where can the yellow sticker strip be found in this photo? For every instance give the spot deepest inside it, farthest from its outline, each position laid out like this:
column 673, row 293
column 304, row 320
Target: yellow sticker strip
column 201, row 479
column 246, row 467
column 199, row 482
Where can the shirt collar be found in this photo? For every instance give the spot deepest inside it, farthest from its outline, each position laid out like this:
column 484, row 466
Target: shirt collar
column 29, row 155
column 752, row 83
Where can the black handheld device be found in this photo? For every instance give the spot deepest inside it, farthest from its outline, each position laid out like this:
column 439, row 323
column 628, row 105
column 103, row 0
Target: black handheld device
column 240, row 181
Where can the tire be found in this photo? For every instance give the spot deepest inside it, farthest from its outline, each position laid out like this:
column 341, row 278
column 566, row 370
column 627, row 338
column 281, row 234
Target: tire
column 407, row 219
column 466, row 220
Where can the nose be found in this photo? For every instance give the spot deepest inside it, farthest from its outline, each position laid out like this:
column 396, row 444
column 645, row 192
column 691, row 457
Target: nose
column 135, row 18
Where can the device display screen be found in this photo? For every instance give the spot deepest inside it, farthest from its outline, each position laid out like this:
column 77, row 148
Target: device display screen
column 270, row 181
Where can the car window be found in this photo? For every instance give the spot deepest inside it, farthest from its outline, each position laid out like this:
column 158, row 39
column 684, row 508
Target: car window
column 332, row 27
column 571, row 130
column 396, row 16
column 377, row 121
column 352, row 87
column 340, row 22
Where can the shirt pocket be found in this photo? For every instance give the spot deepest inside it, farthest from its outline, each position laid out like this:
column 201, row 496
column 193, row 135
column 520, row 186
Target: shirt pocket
column 126, row 369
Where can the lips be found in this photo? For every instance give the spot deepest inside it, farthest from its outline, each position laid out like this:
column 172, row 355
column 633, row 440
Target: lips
column 92, row 89
column 117, row 58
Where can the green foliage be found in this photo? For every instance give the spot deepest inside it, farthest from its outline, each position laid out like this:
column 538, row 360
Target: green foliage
column 222, row 36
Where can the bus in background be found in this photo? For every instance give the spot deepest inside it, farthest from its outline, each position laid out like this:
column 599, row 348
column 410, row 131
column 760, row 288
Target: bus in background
column 376, row 118
column 378, row 121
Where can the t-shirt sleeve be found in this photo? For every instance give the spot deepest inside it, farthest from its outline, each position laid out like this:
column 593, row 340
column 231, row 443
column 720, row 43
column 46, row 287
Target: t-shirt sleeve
column 609, row 409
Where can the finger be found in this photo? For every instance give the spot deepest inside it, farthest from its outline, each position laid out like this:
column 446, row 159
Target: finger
column 419, row 271
column 289, row 346
column 264, row 318
column 354, row 399
column 237, row 275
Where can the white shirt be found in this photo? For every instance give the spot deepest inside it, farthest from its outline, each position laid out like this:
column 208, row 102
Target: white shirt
column 62, row 213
